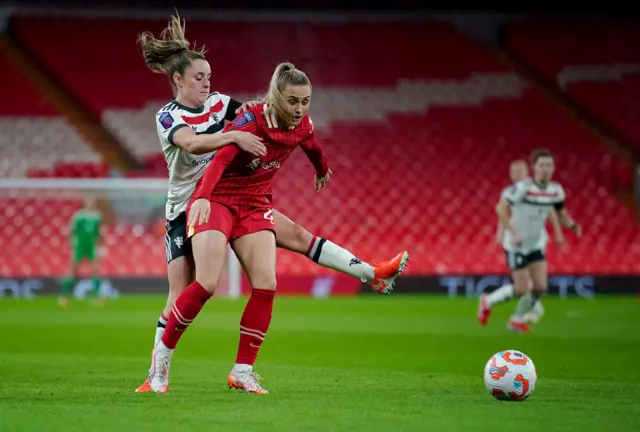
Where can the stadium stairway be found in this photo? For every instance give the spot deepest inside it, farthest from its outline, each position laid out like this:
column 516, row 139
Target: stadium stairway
column 88, row 127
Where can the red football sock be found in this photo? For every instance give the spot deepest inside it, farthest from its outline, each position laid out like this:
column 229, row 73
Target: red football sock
column 184, row 311
column 254, row 325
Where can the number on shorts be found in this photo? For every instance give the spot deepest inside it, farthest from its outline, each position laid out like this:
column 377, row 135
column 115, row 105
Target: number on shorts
column 268, row 215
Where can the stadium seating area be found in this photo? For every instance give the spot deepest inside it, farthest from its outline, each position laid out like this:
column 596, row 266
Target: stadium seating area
column 34, row 136
column 419, row 143
column 597, row 64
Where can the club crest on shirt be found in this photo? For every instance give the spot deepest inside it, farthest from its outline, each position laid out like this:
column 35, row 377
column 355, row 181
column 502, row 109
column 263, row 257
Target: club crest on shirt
column 244, row 119
column 165, row 120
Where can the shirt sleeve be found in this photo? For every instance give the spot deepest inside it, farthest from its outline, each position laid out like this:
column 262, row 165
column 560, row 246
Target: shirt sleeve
column 515, row 193
column 559, row 203
column 314, row 152
column 245, row 121
column 232, row 106
column 168, row 123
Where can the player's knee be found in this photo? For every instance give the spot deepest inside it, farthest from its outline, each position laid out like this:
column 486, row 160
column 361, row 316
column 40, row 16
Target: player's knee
column 521, row 286
column 540, row 288
column 171, row 299
column 266, row 282
column 301, row 234
column 208, row 280
column 297, row 239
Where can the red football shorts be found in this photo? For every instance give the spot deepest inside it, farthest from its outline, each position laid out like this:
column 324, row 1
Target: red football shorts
column 235, row 221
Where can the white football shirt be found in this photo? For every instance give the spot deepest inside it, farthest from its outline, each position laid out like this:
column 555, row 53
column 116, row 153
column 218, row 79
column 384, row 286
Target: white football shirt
column 185, row 169
column 531, row 205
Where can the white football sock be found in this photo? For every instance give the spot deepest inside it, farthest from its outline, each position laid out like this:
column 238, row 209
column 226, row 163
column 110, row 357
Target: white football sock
column 242, row 368
column 504, row 293
column 159, row 330
column 162, row 349
column 332, row 256
column 525, row 304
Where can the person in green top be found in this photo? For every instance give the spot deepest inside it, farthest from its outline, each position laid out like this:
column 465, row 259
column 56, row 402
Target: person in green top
column 84, row 237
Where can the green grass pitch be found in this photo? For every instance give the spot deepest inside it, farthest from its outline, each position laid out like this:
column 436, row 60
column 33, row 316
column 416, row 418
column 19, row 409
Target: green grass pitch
column 374, row 363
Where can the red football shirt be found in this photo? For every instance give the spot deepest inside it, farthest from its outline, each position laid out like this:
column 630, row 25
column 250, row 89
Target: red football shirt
column 237, row 177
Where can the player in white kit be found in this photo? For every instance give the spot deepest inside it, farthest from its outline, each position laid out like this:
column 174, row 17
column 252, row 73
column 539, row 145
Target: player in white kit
column 189, row 130
column 518, row 171
column 523, row 210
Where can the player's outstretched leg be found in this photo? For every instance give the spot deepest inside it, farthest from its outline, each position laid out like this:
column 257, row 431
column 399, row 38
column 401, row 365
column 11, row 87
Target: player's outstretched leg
column 521, row 285
column 257, row 254
column 381, row 276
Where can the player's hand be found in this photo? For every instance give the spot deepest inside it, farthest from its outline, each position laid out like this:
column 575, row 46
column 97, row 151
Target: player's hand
column 247, row 105
column 516, row 239
column 199, row 212
column 250, row 143
column 500, row 237
column 560, row 241
column 577, row 229
column 320, row 182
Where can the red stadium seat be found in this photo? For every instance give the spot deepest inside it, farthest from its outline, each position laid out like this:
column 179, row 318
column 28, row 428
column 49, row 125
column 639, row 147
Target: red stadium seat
column 34, row 136
column 419, row 142
column 596, row 63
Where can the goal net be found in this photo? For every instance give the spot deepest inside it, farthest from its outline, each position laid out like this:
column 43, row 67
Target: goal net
column 36, row 215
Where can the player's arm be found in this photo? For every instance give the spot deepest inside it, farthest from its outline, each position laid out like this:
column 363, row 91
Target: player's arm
column 312, row 148
column 503, row 210
column 98, row 237
column 511, row 196
column 214, row 171
column 245, row 123
column 191, row 142
column 179, row 133
column 234, row 108
column 557, row 227
column 201, row 207
column 73, row 227
column 499, row 231
column 566, row 220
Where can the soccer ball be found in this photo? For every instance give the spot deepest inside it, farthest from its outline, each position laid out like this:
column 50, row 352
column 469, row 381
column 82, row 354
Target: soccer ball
column 510, row 376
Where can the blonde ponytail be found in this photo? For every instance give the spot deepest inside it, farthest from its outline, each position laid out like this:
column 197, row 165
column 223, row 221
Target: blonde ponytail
column 285, row 75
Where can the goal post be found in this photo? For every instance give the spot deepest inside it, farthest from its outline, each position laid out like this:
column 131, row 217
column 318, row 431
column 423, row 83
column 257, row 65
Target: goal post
column 36, row 212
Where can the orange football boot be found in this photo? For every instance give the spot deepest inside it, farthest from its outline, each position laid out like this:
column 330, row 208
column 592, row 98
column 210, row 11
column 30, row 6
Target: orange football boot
column 386, row 272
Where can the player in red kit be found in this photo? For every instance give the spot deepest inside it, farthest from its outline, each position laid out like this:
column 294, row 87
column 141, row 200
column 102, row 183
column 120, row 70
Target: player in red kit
column 233, row 204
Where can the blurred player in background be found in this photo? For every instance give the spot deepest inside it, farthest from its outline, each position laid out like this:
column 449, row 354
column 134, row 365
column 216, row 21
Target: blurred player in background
column 188, row 128
column 518, row 171
column 523, row 210
column 84, row 237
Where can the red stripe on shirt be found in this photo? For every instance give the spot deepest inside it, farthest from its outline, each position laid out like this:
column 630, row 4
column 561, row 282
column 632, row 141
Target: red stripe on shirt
column 203, row 118
column 542, row 194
